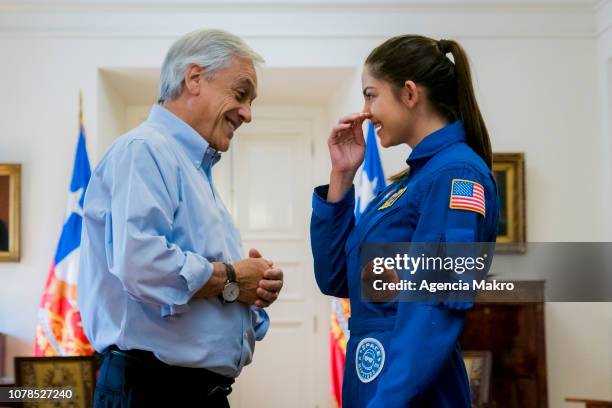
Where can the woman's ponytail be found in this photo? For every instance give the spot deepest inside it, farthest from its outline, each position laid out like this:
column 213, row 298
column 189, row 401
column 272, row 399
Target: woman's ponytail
column 475, row 128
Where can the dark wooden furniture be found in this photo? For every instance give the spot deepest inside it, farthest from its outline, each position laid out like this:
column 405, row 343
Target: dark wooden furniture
column 2, row 353
column 513, row 330
column 5, row 381
column 591, row 403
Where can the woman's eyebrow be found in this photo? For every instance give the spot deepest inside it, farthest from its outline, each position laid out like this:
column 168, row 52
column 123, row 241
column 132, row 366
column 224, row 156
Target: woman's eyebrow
column 366, row 89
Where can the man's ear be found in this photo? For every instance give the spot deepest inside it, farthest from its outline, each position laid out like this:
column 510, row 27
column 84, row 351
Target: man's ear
column 410, row 94
column 193, row 76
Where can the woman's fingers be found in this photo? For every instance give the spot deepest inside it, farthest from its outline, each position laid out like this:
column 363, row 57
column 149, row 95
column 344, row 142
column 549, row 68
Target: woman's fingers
column 354, row 117
column 352, row 121
column 341, row 126
column 340, row 133
column 359, row 121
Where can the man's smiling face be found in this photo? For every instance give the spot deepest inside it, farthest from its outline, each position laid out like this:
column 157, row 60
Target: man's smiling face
column 224, row 101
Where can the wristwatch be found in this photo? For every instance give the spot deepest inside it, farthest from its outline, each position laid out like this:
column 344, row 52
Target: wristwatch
column 231, row 290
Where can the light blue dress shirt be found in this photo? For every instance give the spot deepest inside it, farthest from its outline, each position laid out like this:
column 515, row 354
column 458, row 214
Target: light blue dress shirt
column 153, row 223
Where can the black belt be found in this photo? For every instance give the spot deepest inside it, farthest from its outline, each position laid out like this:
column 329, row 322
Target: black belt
column 218, row 384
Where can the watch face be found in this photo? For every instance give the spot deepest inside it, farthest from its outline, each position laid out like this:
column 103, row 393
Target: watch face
column 231, row 291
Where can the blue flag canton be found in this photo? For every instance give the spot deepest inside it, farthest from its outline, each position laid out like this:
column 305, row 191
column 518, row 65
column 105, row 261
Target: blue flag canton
column 70, row 237
column 463, row 188
column 372, row 176
column 81, row 172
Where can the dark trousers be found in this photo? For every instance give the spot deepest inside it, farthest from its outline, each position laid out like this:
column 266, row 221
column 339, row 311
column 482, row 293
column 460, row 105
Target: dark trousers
column 135, row 378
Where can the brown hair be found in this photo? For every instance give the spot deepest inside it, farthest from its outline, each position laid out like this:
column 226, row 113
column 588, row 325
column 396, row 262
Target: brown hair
column 449, row 84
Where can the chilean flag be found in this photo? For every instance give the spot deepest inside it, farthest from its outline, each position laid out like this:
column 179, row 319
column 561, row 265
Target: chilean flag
column 59, row 331
column 372, row 182
column 372, row 176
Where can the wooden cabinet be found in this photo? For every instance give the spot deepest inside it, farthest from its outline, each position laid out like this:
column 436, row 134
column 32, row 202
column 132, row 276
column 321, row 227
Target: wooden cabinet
column 587, row 403
column 2, row 353
column 513, row 330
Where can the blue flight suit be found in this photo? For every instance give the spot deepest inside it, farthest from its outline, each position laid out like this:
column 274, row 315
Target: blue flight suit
column 414, row 344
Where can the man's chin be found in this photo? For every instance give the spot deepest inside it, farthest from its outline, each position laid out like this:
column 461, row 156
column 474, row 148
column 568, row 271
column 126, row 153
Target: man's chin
column 221, row 144
column 224, row 146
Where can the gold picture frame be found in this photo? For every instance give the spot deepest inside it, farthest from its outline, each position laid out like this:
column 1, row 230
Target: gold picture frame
column 75, row 373
column 509, row 172
column 10, row 212
column 478, row 365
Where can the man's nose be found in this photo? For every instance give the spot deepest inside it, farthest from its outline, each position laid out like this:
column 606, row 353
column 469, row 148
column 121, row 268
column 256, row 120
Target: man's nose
column 245, row 113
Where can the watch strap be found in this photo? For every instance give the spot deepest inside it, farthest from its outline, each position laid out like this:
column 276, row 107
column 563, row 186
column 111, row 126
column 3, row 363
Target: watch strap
column 230, row 271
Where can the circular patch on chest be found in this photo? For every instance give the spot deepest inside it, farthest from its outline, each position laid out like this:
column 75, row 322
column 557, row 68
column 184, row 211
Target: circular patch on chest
column 369, row 359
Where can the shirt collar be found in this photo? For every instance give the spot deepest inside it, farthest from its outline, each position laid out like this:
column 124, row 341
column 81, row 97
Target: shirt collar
column 195, row 146
column 437, row 141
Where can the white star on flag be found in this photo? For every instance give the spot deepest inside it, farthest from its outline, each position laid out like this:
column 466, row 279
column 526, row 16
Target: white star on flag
column 366, row 191
column 74, row 203
column 372, row 179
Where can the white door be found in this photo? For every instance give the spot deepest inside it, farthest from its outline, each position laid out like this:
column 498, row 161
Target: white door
column 270, row 176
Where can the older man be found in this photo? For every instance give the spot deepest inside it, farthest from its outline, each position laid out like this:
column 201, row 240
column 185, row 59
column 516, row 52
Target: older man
column 163, row 290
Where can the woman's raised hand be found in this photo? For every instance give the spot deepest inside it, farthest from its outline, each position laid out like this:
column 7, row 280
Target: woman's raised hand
column 347, row 144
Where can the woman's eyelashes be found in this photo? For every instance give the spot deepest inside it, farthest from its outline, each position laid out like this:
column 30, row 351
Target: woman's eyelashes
column 368, row 93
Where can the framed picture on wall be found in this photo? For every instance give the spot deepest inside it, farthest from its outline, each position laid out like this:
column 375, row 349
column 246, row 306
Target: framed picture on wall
column 509, row 172
column 10, row 212
column 478, row 367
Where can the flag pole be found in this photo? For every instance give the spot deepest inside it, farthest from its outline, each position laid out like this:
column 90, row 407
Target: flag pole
column 80, row 108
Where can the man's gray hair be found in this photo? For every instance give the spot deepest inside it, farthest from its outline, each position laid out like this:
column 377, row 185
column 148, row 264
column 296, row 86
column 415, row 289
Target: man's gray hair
column 210, row 49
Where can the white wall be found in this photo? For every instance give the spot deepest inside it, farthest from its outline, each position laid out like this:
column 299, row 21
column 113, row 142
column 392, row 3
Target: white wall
column 604, row 81
column 539, row 69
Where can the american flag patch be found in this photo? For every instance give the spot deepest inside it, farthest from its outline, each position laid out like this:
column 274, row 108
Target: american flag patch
column 467, row 195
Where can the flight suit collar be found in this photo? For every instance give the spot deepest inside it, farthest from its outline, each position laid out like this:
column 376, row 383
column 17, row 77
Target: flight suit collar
column 436, row 142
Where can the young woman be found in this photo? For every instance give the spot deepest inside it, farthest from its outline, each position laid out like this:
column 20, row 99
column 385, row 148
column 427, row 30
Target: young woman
column 406, row 354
